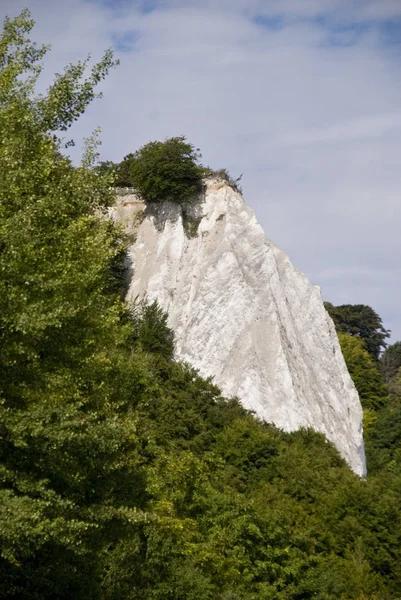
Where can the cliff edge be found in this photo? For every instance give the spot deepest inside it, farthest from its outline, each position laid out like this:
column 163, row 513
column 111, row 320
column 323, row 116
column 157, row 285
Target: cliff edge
column 243, row 314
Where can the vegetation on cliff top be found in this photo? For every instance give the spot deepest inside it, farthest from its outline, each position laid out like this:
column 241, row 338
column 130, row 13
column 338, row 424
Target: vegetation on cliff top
column 168, row 170
column 164, row 171
column 123, row 474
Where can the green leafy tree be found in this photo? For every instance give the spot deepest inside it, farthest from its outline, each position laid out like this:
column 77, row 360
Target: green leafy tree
column 67, row 442
column 123, row 172
column 383, row 439
column 362, row 321
column 106, row 167
column 151, row 331
column 364, row 372
column 165, row 170
column 390, row 362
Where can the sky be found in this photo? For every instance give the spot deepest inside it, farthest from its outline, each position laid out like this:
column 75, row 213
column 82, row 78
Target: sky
column 302, row 97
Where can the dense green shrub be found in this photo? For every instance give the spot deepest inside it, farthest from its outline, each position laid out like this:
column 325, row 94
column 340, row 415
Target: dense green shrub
column 150, row 330
column 165, row 170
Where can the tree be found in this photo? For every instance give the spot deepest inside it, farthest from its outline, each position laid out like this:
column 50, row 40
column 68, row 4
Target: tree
column 151, row 331
column 364, row 372
column 67, row 438
column 105, row 167
column 362, row 321
column 383, row 440
column 390, row 362
column 123, row 172
column 165, row 170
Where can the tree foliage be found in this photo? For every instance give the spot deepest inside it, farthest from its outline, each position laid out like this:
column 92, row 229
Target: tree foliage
column 390, row 363
column 364, row 372
column 362, row 321
column 383, row 439
column 164, row 170
column 151, row 332
column 65, row 430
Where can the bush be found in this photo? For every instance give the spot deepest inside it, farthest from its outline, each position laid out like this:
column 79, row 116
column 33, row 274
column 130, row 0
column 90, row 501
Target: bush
column 151, row 332
column 166, row 171
column 226, row 176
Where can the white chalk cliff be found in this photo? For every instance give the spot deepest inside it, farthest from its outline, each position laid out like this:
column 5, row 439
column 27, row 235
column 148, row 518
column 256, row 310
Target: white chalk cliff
column 243, row 314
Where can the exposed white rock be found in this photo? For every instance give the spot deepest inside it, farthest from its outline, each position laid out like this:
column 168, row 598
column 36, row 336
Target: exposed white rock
column 244, row 315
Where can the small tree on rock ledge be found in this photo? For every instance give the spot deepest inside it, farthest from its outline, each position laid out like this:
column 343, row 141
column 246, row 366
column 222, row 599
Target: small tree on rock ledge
column 166, row 170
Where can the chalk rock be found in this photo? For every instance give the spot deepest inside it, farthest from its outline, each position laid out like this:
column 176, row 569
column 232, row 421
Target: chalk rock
column 243, row 314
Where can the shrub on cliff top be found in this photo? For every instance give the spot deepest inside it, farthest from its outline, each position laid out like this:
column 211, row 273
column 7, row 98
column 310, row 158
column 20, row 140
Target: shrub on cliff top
column 166, row 170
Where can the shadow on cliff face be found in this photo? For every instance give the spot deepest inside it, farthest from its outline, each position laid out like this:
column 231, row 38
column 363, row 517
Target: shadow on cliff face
column 190, row 211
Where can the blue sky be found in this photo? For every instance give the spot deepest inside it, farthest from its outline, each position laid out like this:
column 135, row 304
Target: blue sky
column 301, row 96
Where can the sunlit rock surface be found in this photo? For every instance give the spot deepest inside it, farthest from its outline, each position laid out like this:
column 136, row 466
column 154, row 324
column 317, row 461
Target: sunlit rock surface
column 243, row 314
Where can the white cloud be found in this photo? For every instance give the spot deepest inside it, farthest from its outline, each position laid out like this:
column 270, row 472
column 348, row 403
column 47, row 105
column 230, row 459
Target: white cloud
column 315, row 128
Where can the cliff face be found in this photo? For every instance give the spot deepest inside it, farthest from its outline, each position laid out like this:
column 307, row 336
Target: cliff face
column 244, row 315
